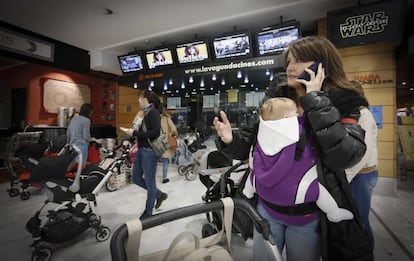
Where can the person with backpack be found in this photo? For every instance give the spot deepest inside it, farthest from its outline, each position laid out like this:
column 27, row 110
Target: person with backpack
column 329, row 106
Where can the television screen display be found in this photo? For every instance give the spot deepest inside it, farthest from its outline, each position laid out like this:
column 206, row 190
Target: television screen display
column 130, row 63
column 159, row 58
column 275, row 40
column 375, row 22
column 192, row 52
column 232, row 46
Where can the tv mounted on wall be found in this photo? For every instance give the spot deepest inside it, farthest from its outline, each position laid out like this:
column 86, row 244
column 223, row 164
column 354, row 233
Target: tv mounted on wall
column 275, row 39
column 191, row 52
column 130, row 63
column 159, row 58
column 232, row 45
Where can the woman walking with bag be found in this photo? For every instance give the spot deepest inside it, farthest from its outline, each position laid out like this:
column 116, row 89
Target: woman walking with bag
column 145, row 165
column 168, row 127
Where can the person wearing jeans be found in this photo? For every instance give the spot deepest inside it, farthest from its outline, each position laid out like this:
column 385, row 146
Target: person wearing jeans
column 145, row 178
column 363, row 176
column 145, row 165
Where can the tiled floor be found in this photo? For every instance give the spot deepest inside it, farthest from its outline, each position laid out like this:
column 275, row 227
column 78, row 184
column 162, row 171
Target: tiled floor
column 392, row 219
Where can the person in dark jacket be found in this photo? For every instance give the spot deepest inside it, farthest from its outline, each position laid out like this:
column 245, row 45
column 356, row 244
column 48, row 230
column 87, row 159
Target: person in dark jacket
column 144, row 169
column 329, row 105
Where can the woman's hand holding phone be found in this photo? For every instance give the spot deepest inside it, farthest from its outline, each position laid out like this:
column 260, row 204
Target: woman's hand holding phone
column 223, row 128
column 313, row 77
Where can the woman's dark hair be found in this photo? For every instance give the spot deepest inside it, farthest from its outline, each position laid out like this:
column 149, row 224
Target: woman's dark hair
column 86, row 110
column 151, row 97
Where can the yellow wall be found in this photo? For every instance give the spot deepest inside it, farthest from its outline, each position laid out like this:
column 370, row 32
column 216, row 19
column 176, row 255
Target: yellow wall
column 378, row 62
column 128, row 100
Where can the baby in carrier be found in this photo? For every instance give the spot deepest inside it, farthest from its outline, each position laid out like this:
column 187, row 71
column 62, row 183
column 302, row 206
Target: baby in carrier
column 274, row 155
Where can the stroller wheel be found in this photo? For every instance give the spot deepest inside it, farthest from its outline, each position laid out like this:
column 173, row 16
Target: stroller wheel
column 190, row 175
column 25, row 195
column 42, row 254
column 109, row 185
column 103, row 234
column 182, row 169
column 13, row 192
column 207, row 230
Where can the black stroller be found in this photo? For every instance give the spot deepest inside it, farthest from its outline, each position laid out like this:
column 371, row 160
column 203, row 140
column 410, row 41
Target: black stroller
column 222, row 179
column 75, row 193
column 28, row 156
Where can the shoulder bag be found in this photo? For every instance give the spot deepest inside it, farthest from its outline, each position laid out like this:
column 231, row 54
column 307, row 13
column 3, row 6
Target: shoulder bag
column 160, row 144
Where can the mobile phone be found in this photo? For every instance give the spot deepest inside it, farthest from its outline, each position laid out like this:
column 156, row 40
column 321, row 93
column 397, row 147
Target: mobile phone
column 305, row 76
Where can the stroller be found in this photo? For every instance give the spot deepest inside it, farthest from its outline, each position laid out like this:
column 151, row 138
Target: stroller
column 28, row 156
column 125, row 154
column 75, row 193
column 191, row 145
column 223, row 178
column 125, row 242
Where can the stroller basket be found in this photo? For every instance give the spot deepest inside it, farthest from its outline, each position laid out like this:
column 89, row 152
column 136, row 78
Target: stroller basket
column 119, row 238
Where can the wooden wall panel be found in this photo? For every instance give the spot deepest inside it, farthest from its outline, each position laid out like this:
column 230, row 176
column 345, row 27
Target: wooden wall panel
column 128, row 99
column 386, row 150
column 387, row 168
column 369, row 62
column 387, row 133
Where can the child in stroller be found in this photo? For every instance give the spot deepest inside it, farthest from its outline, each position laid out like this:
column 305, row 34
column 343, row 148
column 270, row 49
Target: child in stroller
column 74, row 193
column 225, row 178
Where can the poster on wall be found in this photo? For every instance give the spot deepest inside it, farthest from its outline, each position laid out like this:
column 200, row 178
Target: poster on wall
column 58, row 94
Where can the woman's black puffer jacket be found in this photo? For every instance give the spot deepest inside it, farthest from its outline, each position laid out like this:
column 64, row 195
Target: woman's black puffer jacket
column 339, row 146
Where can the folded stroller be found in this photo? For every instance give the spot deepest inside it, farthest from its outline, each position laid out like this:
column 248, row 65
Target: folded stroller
column 225, row 178
column 75, row 193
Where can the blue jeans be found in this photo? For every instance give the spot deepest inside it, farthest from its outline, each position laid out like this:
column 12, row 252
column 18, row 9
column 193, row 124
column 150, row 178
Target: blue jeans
column 302, row 242
column 362, row 186
column 83, row 147
column 165, row 162
column 144, row 171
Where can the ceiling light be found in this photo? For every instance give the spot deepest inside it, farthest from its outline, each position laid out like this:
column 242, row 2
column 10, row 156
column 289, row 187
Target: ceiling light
column 170, row 82
column 202, row 82
column 246, row 79
column 135, row 85
column 223, row 82
column 239, row 75
column 182, row 85
column 267, row 72
column 213, row 77
column 191, row 79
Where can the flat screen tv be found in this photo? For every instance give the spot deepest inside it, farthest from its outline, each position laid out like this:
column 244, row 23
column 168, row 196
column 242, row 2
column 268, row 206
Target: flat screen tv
column 159, row 58
column 192, row 52
column 130, row 63
column 380, row 21
column 233, row 45
column 274, row 40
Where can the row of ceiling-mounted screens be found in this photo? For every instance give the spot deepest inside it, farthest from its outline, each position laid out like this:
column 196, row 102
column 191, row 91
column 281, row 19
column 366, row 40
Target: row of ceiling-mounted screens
column 269, row 41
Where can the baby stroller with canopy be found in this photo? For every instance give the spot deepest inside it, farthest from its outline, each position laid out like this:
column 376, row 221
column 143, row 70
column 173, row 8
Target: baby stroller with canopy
column 224, row 177
column 75, row 193
column 25, row 151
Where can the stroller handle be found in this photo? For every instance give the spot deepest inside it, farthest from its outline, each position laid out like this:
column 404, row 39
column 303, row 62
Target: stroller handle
column 120, row 236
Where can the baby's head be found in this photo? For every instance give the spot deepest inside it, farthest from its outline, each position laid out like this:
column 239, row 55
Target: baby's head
column 278, row 108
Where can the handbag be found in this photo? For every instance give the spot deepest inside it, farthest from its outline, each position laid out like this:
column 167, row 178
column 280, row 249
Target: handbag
column 160, row 144
column 179, row 249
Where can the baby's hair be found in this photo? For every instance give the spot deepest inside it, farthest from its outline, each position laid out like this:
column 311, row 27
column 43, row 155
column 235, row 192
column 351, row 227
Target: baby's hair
column 278, row 108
